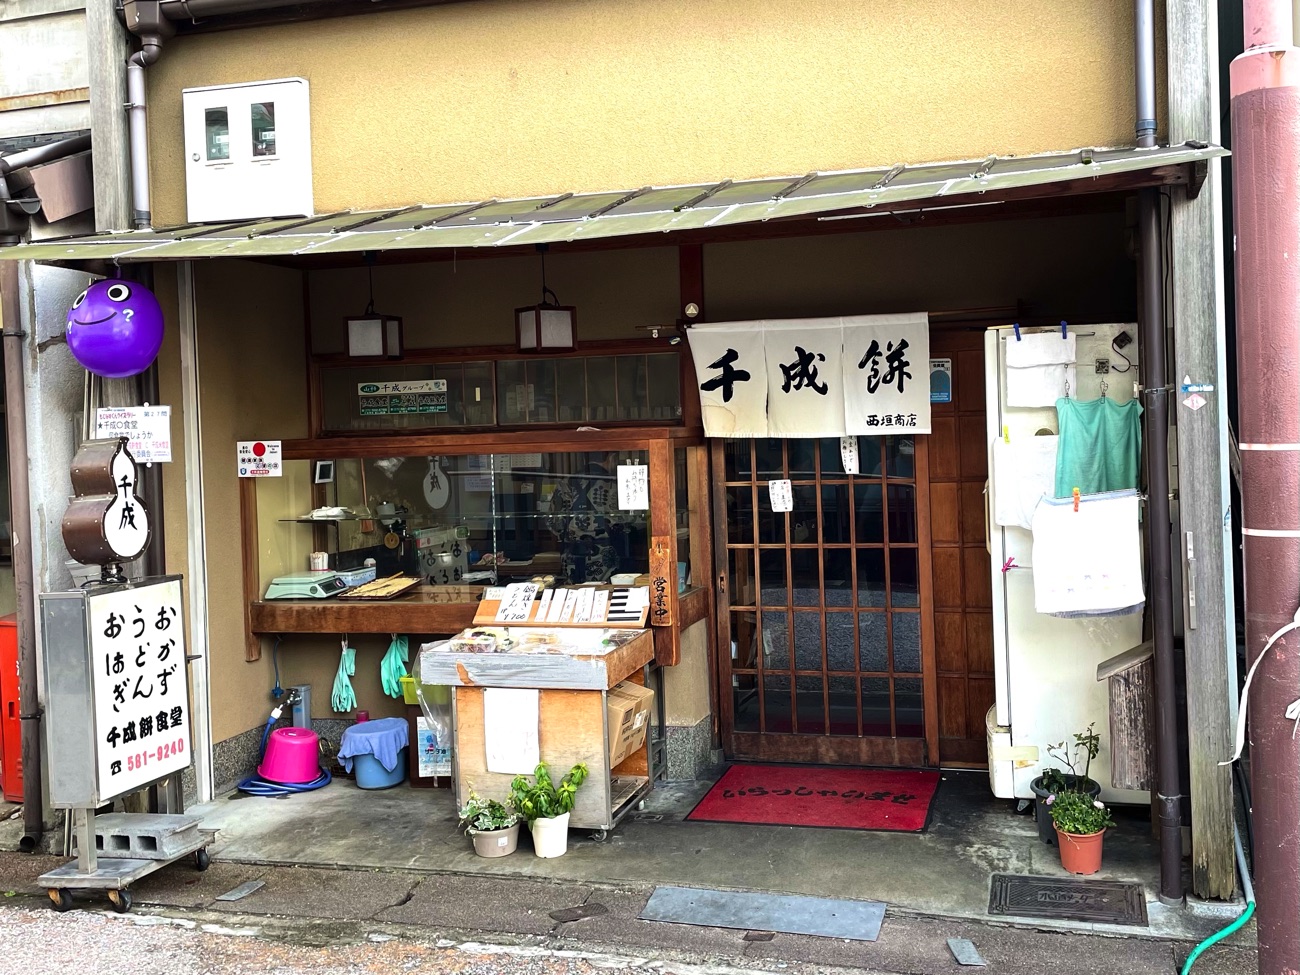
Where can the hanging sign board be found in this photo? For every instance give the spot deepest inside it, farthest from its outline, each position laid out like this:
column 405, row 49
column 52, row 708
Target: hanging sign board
column 141, row 703
column 661, row 586
column 399, row 398
column 148, row 430
column 825, row 377
column 259, row 458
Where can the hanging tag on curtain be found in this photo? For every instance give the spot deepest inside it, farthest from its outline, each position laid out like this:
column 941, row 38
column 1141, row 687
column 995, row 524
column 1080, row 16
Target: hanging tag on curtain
column 849, row 454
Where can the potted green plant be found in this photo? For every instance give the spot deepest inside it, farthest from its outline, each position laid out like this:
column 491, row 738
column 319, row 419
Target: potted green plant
column 1080, row 822
column 546, row 806
column 492, row 825
column 1054, row 781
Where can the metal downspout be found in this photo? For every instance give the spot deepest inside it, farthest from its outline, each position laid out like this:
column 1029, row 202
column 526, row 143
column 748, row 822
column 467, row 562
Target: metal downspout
column 1155, row 397
column 29, row 710
column 138, row 123
column 1265, row 106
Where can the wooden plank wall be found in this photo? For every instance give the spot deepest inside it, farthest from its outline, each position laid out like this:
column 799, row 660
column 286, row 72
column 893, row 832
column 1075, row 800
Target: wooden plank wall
column 963, row 615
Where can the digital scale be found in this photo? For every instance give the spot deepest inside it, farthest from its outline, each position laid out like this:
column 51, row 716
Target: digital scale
column 309, row 585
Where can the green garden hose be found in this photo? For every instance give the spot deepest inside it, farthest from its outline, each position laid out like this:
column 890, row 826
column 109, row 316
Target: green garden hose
column 1248, row 889
column 344, row 699
column 393, row 668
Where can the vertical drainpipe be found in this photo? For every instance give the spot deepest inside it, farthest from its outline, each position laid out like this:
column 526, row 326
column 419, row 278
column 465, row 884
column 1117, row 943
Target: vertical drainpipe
column 137, row 118
column 1155, row 397
column 29, row 710
column 1265, row 105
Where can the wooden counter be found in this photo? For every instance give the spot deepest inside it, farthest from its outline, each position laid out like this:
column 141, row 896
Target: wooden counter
column 426, row 610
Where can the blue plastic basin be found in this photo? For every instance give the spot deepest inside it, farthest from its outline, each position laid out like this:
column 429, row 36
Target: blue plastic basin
column 371, row 774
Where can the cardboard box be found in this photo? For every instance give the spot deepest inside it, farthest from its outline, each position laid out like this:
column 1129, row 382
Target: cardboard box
column 628, row 707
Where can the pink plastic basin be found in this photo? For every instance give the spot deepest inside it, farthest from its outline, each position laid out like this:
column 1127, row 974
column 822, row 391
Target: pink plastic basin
column 292, row 756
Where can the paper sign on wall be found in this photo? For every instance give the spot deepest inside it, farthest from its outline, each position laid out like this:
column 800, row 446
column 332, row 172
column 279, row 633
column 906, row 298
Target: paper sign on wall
column 940, row 380
column 510, row 729
column 259, row 458
column 633, row 487
column 147, row 428
column 781, row 495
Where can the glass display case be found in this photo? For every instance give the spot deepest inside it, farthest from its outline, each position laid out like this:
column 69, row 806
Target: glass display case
column 457, row 514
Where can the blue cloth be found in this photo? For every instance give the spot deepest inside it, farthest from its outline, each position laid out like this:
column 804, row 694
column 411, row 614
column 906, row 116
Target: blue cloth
column 383, row 738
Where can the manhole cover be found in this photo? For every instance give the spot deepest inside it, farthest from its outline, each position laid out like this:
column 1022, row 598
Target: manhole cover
column 1107, row 901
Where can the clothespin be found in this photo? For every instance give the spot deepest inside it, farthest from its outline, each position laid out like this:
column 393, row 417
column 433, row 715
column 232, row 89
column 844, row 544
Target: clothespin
column 1016, row 326
column 1009, row 564
column 1006, row 434
column 1063, row 336
column 1076, row 499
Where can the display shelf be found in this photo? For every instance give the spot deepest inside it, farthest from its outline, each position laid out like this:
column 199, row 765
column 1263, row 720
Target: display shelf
column 427, row 610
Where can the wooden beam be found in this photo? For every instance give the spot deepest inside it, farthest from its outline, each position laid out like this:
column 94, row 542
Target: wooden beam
column 1204, row 499
column 250, row 563
column 107, row 49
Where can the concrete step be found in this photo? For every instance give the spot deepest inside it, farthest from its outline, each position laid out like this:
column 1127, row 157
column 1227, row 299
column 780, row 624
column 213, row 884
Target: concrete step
column 143, row 836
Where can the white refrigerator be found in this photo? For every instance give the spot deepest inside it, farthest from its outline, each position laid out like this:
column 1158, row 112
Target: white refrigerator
column 1046, row 667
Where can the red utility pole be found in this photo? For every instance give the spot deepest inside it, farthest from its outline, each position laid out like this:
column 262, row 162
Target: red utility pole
column 1265, row 85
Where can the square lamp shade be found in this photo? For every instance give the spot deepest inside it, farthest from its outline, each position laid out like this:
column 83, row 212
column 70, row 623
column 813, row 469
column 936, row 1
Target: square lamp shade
column 545, row 327
column 374, row 336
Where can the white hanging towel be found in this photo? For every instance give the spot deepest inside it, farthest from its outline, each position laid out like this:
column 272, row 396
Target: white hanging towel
column 1088, row 562
column 1024, row 472
column 1039, row 367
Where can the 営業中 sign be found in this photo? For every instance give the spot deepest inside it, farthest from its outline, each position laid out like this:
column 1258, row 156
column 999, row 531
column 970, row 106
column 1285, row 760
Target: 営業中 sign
column 141, row 704
column 148, row 430
column 259, row 458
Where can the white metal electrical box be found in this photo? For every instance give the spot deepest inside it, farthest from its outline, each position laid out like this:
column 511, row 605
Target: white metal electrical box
column 248, row 150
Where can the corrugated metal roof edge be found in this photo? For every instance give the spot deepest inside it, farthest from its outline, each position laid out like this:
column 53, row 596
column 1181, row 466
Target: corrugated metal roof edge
column 299, row 237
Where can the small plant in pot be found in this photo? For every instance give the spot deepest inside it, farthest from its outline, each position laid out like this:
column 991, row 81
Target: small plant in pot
column 1054, row 781
column 492, row 825
column 1080, row 822
column 546, row 806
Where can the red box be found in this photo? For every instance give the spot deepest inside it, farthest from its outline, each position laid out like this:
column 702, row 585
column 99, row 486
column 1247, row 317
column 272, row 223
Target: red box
column 11, row 735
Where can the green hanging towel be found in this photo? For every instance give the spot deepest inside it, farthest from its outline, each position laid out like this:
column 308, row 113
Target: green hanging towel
column 1100, row 447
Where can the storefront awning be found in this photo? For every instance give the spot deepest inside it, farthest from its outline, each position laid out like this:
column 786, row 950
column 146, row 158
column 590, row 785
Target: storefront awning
column 572, row 217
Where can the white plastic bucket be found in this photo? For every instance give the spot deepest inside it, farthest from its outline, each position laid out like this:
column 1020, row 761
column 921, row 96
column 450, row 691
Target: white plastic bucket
column 551, row 836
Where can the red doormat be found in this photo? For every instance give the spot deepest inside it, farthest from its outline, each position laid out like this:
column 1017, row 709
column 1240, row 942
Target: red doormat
column 813, row 795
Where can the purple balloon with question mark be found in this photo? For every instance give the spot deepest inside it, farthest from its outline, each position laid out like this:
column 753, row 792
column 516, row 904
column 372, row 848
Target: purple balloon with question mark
column 115, row 328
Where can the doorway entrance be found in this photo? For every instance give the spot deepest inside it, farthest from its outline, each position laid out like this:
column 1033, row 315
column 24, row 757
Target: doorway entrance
column 825, row 615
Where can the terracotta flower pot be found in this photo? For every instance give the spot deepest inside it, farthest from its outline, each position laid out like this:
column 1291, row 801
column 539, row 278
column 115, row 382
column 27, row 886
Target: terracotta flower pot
column 1080, row 852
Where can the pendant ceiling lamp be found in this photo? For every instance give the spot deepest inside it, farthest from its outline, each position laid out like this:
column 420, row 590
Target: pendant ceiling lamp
column 373, row 335
column 548, row 326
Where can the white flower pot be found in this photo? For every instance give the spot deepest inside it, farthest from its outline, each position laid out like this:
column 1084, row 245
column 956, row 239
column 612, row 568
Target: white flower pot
column 551, row 836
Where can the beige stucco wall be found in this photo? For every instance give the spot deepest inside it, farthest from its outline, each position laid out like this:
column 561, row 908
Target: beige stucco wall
column 517, row 97
column 472, row 302
column 686, row 686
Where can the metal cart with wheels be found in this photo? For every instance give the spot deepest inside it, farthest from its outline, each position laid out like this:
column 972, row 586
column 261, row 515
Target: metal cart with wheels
column 117, row 720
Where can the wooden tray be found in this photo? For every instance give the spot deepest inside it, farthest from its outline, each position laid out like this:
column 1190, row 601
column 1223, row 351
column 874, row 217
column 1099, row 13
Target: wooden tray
column 382, row 588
